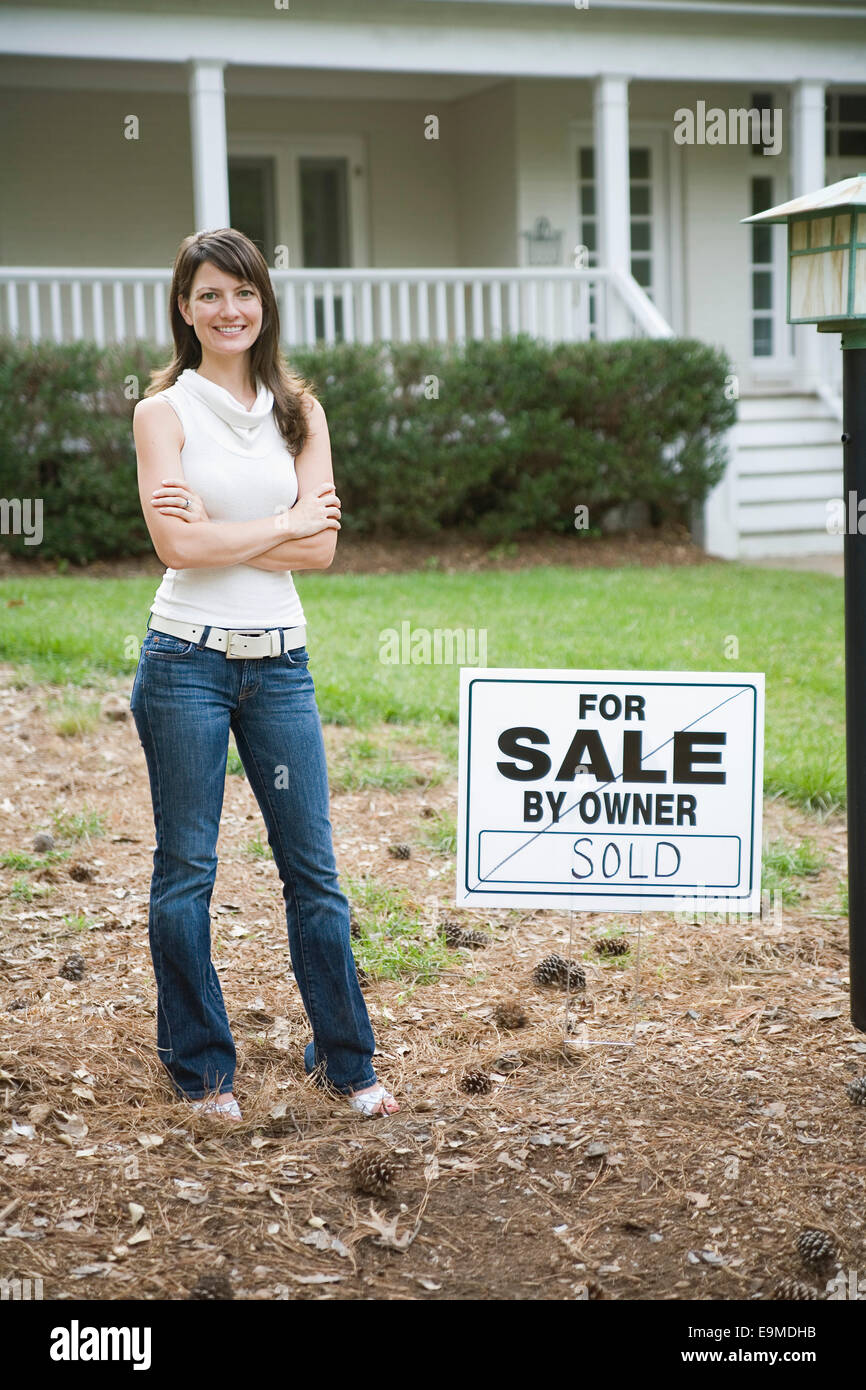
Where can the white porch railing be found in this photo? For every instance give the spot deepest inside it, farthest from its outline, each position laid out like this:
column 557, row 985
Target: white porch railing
column 405, row 305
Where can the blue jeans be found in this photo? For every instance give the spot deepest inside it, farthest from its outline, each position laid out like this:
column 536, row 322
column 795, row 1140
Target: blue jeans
column 184, row 700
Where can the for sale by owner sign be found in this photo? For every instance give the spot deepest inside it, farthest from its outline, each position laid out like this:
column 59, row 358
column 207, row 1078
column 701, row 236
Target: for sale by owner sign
column 610, row 790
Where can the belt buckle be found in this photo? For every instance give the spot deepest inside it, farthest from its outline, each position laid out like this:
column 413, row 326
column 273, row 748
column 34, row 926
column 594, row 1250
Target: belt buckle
column 231, row 653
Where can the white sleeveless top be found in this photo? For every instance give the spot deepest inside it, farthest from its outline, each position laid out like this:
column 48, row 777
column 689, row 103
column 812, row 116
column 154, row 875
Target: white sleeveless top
column 241, row 467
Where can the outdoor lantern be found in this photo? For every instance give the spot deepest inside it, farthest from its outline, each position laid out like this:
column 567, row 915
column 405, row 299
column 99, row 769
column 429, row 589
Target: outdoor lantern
column 826, row 256
column 827, row 287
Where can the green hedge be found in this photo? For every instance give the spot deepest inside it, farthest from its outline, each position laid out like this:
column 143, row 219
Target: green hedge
column 495, row 439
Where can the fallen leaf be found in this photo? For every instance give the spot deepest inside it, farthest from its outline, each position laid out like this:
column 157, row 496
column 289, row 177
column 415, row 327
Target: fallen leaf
column 698, row 1199
column 323, row 1240
column 72, row 1126
column 385, row 1232
column 776, row 1109
column 317, row 1278
column 511, row 1162
column 150, row 1141
column 141, row 1235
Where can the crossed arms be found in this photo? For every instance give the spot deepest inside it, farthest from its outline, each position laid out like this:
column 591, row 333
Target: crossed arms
column 303, row 537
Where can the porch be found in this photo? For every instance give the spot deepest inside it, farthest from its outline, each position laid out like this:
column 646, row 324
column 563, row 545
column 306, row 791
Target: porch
column 410, row 181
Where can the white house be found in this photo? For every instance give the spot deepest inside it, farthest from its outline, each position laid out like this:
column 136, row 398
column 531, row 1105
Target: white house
column 448, row 168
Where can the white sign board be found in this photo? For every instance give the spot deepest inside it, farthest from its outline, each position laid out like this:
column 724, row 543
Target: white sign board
column 620, row 791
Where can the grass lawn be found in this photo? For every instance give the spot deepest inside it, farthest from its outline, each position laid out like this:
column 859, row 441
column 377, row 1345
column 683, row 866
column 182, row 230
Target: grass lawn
column 81, row 631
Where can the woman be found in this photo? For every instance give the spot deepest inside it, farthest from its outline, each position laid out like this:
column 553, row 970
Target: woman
column 237, row 489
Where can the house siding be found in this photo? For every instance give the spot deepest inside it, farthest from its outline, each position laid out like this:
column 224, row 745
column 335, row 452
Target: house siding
column 486, row 176
column 84, row 195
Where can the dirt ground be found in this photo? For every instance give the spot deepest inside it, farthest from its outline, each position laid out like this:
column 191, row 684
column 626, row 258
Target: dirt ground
column 668, row 545
column 682, row 1167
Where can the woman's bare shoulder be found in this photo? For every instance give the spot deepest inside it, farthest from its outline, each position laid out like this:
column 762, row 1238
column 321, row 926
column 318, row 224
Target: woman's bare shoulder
column 313, row 407
column 158, row 410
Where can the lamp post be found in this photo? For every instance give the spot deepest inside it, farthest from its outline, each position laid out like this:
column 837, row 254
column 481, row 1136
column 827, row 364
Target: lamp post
column 827, row 287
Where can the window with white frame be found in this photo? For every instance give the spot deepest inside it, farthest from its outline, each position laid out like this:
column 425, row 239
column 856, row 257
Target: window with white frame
column 763, row 306
column 845, row 125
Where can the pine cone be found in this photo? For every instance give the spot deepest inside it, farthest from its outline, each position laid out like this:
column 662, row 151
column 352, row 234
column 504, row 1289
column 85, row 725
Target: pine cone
column 73, row 968
column 363, row 977
column 788, row 1290
column 43, row 842
column 816, row 1248
column 857, row 1091
column 373, row 1172
column 428, row 811
column 400, row 851
column 554, row 970
column 612, row 946
column 456, row 936
column 354, row 925
column 476, row 1083
column 509, row 1013
column 475, row 940
column 212, row 1286
column 82, row 873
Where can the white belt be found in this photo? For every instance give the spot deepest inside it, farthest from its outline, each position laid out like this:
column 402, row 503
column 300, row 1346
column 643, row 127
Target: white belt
column 236, row 642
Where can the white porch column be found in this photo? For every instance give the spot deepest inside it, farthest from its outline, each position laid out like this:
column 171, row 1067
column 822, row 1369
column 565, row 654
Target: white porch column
column 610, row 117
column 807, row 175
column 207, row 114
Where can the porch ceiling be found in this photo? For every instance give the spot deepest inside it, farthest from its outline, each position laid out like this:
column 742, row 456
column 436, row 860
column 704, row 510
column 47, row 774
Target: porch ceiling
column 84, row 74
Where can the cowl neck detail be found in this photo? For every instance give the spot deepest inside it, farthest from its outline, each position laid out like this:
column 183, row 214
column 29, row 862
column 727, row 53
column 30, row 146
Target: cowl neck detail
column 247, row 424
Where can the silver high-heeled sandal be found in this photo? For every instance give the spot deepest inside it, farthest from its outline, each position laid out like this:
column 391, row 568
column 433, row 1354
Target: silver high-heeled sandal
column 374, row 1102
column 226, row 1107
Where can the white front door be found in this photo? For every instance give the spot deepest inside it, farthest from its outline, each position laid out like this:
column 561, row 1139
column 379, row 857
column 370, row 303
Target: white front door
column 303, row 200
column 653, row 222
column 770, row 336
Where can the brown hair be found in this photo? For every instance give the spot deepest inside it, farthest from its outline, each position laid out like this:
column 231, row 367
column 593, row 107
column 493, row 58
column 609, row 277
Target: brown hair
column 235, row 254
